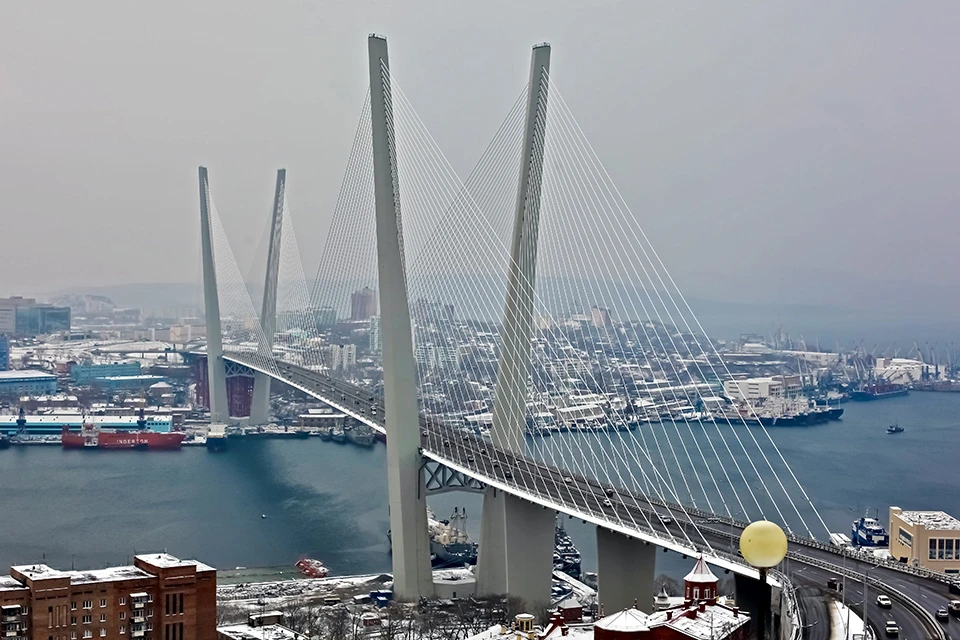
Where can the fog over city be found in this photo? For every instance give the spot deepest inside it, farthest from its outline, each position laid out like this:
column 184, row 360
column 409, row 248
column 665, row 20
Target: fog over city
column 782, row 153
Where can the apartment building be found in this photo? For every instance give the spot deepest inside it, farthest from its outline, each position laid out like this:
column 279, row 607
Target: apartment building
column 159, row 597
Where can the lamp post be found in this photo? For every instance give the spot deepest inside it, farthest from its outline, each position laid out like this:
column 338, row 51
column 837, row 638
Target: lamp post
column 763, row 545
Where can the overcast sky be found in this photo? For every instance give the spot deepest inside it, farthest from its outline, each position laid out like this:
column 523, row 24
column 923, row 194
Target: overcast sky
column 793, row 150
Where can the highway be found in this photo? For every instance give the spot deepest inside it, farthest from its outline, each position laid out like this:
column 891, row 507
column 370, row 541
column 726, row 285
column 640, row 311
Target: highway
column 664, row 524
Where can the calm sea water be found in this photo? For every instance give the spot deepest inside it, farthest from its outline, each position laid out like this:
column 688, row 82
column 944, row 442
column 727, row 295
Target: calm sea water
column 329, row 501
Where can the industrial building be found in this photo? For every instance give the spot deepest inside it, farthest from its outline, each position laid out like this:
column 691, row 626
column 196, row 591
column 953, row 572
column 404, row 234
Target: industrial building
column 930, row 539
column 88, row 373
column 27, row 381
column 750, row 389
column 158, row 597
column 54, row 423
column 127, row 383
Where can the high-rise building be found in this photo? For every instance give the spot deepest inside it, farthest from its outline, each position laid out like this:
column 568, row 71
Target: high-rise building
column 158, row 597
column 340, row 356
column 8, row 312
column 363, row 304
column 600, row 317
column 4, row 352
column 26, row 317
column 376, row 340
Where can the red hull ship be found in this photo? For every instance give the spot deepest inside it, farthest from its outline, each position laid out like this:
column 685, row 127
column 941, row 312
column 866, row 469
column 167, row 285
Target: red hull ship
column 93, row 437
column 312, row 568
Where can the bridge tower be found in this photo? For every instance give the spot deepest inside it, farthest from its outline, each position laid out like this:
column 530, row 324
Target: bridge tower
column 517, row 537
column 412, row 574
column 260, row 406
column 216, row 371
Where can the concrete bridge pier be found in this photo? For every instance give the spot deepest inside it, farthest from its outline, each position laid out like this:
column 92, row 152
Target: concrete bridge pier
column 516, row 548
column 625, row 571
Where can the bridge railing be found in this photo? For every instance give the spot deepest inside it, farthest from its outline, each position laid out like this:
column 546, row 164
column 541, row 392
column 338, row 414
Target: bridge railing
column 934, row 628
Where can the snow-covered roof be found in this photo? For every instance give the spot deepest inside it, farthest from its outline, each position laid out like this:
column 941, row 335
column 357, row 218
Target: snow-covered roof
column 932, row 520
column 167, row 561
column 25, row 374
column 713, row 622
column 701, row 573
column 628, row 620
column 265, row 632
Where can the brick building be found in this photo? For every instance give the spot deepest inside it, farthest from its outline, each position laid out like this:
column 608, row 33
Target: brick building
column 159, row 597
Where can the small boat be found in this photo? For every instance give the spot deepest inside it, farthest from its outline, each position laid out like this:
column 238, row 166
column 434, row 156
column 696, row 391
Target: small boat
column 263, row 516
column 312, row 568
column 868, row 532
column 895, row 428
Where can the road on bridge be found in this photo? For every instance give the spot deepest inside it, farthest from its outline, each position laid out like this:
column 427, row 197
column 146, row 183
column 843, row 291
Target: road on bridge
column 577, row 496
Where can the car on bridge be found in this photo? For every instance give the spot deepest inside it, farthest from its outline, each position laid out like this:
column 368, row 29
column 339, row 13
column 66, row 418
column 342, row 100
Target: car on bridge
column 884, row 601
column 891, row 629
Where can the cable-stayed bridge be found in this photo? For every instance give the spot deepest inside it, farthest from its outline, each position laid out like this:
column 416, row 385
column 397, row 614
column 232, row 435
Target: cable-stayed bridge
column 495, row 354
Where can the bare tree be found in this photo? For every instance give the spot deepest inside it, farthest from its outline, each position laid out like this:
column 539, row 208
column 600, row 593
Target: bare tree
column 229, row 613
column 672, row 586
column 338, row 623
column 542, row 611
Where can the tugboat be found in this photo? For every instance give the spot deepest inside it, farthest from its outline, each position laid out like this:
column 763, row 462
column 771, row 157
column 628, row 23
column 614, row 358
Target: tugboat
column 868, row 532
column 311, row 568
column 895, row 428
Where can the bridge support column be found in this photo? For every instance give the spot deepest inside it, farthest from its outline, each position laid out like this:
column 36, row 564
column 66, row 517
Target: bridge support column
column 625, row 571
column 260, row 405
column 216, row 371
column 495, row 567
column 516, row 544
column 412, row 574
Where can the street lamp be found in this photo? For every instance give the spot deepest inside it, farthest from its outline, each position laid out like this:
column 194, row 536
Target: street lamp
column 763, row 545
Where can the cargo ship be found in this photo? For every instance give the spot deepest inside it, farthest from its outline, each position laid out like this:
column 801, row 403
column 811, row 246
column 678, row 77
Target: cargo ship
column 566, row 556
column 360, row 435
column 93, row 437
column 878, row 391
column 449, row 543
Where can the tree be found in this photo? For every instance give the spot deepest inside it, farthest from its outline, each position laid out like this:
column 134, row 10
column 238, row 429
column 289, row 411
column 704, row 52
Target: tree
column 672, row 586
column 338, row 623
column 229, row 613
